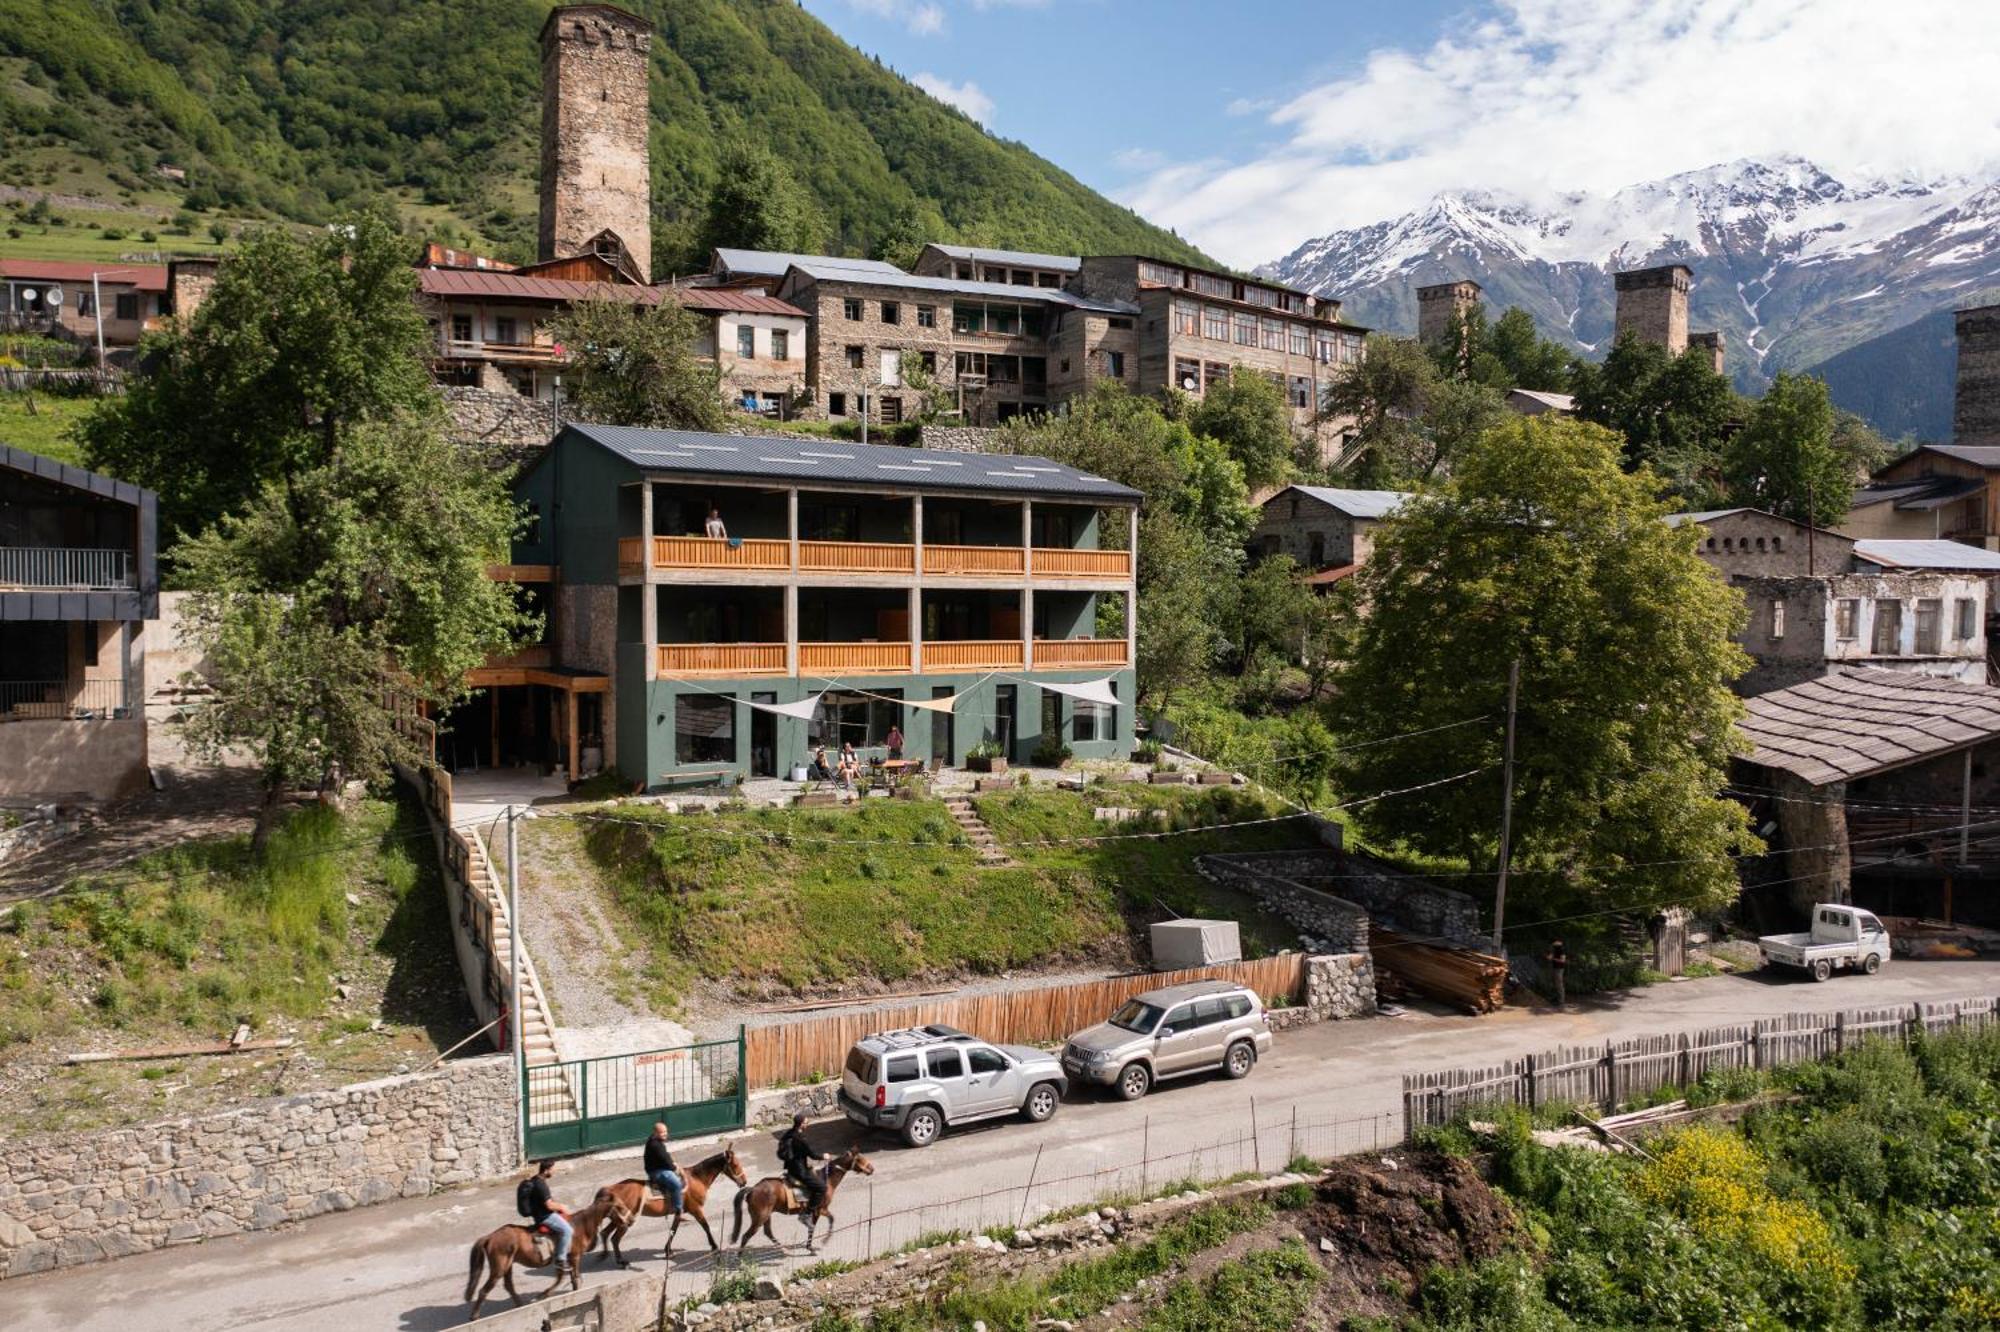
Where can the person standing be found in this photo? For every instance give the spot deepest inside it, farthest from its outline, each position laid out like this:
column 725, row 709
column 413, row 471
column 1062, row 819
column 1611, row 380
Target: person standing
column 539, row 1204
column 661, row 1172
column 1557, row 960
column 714, row 525
column 895, row 741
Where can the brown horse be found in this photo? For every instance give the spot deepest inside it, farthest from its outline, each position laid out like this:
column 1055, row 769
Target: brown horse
column 511, row 1245
column 637, row 1198
column 774, row 1193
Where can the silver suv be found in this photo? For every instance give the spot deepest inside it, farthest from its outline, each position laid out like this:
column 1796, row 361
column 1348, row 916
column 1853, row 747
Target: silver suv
column 916, row 1081
column 1171, row 1033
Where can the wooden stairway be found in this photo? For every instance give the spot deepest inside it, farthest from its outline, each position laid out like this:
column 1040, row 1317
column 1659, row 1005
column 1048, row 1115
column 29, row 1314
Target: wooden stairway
column 966, row 815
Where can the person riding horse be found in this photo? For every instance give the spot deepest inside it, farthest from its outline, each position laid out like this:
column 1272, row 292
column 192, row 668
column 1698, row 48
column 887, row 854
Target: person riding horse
column 797, row 1156
column 661, row 1171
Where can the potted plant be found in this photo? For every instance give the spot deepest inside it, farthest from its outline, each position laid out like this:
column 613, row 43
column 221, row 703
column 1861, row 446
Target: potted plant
column 811, row 795
column 986, row 756
column 1051, row 752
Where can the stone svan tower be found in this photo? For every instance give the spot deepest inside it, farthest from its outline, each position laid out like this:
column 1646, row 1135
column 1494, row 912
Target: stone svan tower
column 1653, row 303
column 1709, row 344
column 596, row 172
column 1976, row 408
column 1439, row 306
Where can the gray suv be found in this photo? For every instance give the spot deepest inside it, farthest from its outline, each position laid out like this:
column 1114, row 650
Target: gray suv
column 917, row 1081
column 1171, row 1033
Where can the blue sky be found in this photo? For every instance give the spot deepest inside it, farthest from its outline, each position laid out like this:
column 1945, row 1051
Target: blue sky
column 1253, row 125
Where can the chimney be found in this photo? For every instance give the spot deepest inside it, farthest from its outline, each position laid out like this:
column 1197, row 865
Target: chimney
column 1976, row 408
column 1710, row 343
column 1653, row 303
column 596, row 172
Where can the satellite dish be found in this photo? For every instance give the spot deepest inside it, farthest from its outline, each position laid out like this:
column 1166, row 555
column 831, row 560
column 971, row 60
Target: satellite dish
column 28, row 294
column 54, row 296
column 1187, row 382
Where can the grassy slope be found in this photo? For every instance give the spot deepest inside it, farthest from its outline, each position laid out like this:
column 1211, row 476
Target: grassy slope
column 180, row 946
column 46, row 429
column 792, row 900
column 299, row 108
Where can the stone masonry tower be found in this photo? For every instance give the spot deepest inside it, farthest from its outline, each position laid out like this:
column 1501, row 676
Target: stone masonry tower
column 1653, row 303
column 1710, row 346
column 1976, row 412
column 1440, row 305
column 596, row 173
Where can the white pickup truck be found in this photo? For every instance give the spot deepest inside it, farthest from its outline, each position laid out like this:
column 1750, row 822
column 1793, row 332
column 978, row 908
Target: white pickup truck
column 1841, row 937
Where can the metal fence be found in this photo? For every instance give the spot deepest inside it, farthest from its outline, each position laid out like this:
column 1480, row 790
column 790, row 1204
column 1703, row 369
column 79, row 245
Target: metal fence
column 63, row 700
column 75, row 568
column 1611, row 1075
column 588, row 1105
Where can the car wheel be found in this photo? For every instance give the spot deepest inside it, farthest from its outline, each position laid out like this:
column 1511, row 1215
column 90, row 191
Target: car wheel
column 1134, row 1082
column 1873, row 964
column 923, row 1126
column 1040, row 1107
column 1822, row 969
column 1241, row 1058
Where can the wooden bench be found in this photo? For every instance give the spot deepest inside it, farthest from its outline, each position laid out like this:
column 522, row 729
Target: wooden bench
column 698, row 776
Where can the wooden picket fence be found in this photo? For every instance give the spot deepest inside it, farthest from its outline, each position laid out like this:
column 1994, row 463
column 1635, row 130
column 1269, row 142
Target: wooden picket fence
column 817, row 1046
column 1611, row 1075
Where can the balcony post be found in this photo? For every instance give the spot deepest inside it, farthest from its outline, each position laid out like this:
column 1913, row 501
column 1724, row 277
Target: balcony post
column 649, row 605
column 1028, row 627
column 1132, row 588
column 917, row 534
column 916, row 628
column 128, row 700
column 792, row 628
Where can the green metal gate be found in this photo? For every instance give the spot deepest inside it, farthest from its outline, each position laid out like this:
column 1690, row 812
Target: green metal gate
column 588, row 1105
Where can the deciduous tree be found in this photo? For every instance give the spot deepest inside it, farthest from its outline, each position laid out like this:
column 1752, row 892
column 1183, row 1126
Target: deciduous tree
column 1784, row 458
column 1248, row 414
column 637, row 365
column 756, row 203
column 1673, row 412
column 1541, row 548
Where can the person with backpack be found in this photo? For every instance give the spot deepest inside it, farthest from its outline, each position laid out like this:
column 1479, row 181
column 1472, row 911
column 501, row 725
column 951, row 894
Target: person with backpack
column 798, row 1156
column 664, row 1175
column 534, row 1200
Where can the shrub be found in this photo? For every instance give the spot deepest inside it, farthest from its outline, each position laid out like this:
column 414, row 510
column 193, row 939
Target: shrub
column 1051, row 752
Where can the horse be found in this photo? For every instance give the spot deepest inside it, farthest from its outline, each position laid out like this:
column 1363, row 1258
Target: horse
column 637, row 1198
column 517, row 1243
column 774, row 1193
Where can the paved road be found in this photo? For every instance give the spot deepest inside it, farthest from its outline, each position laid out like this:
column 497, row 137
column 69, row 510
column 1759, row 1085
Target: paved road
column 1325, row 1089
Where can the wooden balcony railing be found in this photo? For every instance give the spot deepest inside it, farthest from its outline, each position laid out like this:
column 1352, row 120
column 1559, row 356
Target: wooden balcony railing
column 857, row 557
column 995, row 654
column 631, row 555
column 722, row 658
column 717, row 553
column 1063, row 653
column 1005, row 561
column 1053, row 563
column 833, row 658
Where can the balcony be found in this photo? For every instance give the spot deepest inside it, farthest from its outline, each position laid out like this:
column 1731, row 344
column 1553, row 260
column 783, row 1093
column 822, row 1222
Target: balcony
column 722, row 659
column 975, row 561
column 65, row 568
column 717, row 553
column 987, row 654
column 1061, row 654
column 834, row 658
column 871, row 557
column 875, row 557
column 457, row 349
column 1050, row 563
column 62, row 700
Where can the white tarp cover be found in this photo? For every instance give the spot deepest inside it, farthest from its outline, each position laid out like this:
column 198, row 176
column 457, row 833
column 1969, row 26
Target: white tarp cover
column 1180, row 944
column 1090, row 691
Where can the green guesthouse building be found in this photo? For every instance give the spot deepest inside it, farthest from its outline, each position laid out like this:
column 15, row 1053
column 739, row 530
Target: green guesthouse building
column 964, row 598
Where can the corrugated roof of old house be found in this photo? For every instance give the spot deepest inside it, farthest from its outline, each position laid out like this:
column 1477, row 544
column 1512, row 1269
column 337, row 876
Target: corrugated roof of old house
column 469, row 283
column 1858, row 722
column 1067, row 263
column 1353, row 503
column 1939, row 554
column 146, row 277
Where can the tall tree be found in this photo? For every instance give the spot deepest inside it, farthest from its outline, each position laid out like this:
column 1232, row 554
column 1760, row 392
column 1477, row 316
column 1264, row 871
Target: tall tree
column 1382, row 394
column 756, row 203
column 1784, row 458
column 1541, row 548
column 638, row 365
column 300, row 339
column 1526, row 359
column 1674, row 413
column 340, row 597
column 1248, row 414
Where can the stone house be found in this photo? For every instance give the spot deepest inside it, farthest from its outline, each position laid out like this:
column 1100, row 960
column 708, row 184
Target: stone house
column 1322, row 528
column 78, row 581
column 1920, row 623
column 1753, row 543
column 57, row 298
column 972, row 263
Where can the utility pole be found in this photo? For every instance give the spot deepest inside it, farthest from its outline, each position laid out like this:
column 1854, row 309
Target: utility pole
column 1506, row 810
column 97, row 308
column 515, row 1031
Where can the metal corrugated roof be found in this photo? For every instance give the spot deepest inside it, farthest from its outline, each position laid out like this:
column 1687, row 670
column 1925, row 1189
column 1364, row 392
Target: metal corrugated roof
column 775, row 263
column 747, row 299
column 1067, row 263
column 515, row 286
column 77, row 478
column 765, row 458
column 1562, row 402
column 896, row 277
column 1708, row 516
column 1854, row 723
column 145, row 277
column 1984, row 455
column 1356, row 503
column 1938, row 554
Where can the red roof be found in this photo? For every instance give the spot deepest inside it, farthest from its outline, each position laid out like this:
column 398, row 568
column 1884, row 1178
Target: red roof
column 1328, row 577
column 519, row 287
column 146, row 277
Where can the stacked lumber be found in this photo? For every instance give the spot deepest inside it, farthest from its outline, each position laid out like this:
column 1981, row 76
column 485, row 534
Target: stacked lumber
column 1473, row 981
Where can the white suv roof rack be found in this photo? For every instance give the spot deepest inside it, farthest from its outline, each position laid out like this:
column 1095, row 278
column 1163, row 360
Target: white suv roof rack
column 914, row 1038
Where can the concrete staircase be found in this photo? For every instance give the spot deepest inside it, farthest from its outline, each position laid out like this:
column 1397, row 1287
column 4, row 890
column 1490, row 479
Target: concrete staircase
column 550, row 1097
column 966, row 815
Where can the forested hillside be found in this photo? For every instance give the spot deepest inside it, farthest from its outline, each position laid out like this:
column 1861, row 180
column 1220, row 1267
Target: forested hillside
column 299, row 109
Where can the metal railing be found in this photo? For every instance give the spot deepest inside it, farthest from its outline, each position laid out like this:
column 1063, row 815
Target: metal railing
column 78, row 567
column 63, row 700
column 585, row 1105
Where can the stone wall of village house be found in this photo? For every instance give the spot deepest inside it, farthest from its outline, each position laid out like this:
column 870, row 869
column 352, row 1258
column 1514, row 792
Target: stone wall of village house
column 831, row 333
column 1761, row 545
column 70, row 1198
column 498, row 417
column 1811, row 641
column 1080, row 349
column 1293, row 520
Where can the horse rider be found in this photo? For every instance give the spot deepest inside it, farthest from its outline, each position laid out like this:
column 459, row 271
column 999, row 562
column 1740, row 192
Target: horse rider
column 797, row 1155
column 545, row 1212
column 661, row 1171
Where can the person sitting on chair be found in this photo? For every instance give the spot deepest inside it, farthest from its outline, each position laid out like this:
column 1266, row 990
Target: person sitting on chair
column 850, row 766
column 818, row 770
column 798, row 1156
column 661, row 1171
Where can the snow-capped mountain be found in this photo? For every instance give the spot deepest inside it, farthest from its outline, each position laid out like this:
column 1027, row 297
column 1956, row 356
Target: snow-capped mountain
column 1792, row 264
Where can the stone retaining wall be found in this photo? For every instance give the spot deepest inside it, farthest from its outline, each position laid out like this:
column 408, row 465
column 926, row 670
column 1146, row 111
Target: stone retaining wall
column 75, row 1198
column 957, row 439
column 1328, row 923
column 1400, row 901
column 499, row 418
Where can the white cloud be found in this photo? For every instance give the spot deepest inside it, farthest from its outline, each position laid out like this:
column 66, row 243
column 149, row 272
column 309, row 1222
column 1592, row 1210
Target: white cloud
column 1140, row 159
column 922, row 17
column 1545, row 96
column 968, row 97
column 1248, row 106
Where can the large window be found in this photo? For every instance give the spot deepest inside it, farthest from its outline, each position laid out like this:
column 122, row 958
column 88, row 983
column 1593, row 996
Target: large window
column 746, row 342
column 892, row 312
column 854, row 358
column 1215, row 323
column 1210, row 285
column 704, row 729
column 1187, row 318
column 855, row 719
column 850, row 308
column 1888, row 638
column 1246, row 330
column 1930, row 616
column 926, row 316
column 781, row 345
column 1114, row 364
column 1846, row 615
column 1301, row 340
column 1095, row 721
column 1159, row 275
column 1187, row 376
column 1274, row 334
